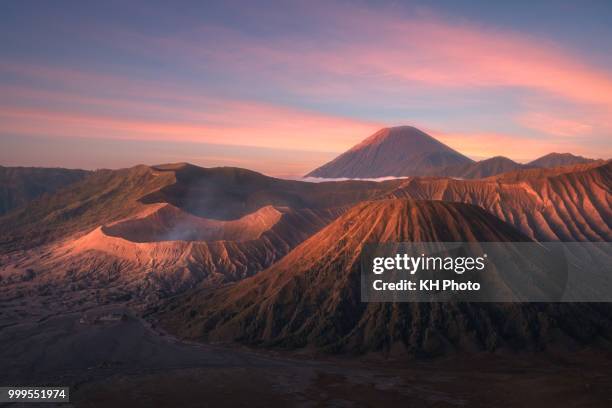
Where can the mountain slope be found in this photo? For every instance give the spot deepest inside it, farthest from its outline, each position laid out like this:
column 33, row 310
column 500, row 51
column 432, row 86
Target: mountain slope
column 312, row 296
column 558, row 159
column 535, row 173
column 20, row 185
column 153, row 231
column 546, row 206
column 143, row 262
column 481, row 169
column 164, row 229
column 227, row 193
column 397, row 151
column 217, row 193
column 576, row 207
column 105, row 196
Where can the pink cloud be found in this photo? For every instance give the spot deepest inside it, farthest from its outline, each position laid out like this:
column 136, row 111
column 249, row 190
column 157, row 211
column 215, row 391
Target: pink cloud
column 365, row 50
column 255, row 125
column 450, row 55
column 479, row 145
column 90, row 104
column 555, row 125
column 382, row 52
column 396, row 52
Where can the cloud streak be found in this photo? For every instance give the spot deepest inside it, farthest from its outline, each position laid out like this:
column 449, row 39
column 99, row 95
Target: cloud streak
column 395, row 50
column 374, row 56
column 322, row 86
column 134, row 110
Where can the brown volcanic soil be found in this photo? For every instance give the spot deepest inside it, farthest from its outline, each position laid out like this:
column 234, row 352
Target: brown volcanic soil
column 118, row 364
column 565, row 206
column 311, row 298
column 151, row 269
column 533, row 173
column 522, row 198
column 126, row 363
column 168, row 223
column 223, row 194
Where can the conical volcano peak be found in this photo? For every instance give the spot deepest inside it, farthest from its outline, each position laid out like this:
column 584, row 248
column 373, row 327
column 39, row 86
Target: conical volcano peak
column 400, row 135
column 395, row 151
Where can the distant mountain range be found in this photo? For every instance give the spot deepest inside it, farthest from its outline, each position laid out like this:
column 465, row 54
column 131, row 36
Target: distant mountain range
column 391, row 152
column 408, row 151
column 481, row 169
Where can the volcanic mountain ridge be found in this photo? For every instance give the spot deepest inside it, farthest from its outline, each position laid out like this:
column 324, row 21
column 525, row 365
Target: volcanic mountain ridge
column 311, row 298
column 153, row 232
column 558, row 159
column 20, row 185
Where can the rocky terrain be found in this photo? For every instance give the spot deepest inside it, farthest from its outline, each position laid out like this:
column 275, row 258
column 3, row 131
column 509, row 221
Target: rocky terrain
column 229, row 255
column 566, row 204
column 312, row 296
column 129, row 363
column 149, row 232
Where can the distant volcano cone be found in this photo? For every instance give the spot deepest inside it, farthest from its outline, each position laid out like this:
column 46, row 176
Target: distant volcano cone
column 396, row 151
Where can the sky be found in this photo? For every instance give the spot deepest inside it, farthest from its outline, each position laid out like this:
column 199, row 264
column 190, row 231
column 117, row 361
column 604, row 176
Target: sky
column 283, row 87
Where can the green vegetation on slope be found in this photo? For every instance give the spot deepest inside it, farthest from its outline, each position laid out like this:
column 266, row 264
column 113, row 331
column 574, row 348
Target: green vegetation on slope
column 104, row 196
column 20, row 185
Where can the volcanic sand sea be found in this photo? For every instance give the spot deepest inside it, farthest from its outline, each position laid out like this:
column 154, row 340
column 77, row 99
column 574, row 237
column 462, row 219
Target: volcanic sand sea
column 130, row 362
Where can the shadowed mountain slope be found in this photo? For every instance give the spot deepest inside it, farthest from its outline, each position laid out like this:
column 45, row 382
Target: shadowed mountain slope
column 558, row 159
column 227, row 193
column 217, row 193
column 481, row 169
column 311, row 298
column 569, row 203
column 397, row 151
column 103, row 197
column 20, row 185
column 534, row 173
